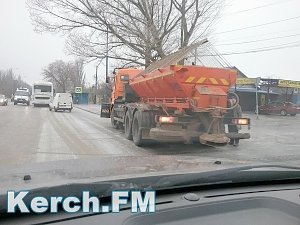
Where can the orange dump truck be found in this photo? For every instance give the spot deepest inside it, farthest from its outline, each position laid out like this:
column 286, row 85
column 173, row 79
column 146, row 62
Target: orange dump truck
column 174, row 103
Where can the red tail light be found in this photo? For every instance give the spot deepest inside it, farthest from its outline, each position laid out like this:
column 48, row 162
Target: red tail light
column 242, row 121
column 167, row 119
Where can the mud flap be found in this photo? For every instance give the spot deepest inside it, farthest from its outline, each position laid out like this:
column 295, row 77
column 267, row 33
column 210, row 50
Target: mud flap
column 105, row 110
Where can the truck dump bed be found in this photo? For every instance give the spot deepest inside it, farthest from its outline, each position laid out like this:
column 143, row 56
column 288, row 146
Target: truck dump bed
column 197, row 87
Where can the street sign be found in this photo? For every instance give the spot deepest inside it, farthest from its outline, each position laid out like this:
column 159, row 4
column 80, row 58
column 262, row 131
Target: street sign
column 78, row 90
column 257, row 81
column 289, row 83
column 243, row 81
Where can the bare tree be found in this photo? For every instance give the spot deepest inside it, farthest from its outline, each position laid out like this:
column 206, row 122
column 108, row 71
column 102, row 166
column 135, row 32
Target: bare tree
column 78, row 75
column 196, row 18
column 138, row 31
column 64, row 75
column 9, row 82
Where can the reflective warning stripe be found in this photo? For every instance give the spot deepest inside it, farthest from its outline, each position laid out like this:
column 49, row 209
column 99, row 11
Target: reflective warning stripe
column 190, row 79
column 201, row 80
column 213, row 80
column 224, row 81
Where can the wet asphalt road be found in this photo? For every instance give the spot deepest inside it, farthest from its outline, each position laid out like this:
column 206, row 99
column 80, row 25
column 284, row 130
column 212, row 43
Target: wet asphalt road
column 29, row 134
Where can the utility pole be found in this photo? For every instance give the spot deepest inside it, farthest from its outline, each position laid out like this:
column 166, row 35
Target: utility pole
column 12, row 84
column 183, row 5
column 181, row 28
column 257, row 80
column 103, row 97
column 96, row 83
column 106, row 59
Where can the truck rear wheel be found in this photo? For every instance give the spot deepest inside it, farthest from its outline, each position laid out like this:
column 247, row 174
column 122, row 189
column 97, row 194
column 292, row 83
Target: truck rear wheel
column 136, row 131
column 114, row 123
column 128, row 127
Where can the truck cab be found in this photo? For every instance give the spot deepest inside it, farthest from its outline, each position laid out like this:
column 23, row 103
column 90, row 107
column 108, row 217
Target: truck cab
column 122, row 77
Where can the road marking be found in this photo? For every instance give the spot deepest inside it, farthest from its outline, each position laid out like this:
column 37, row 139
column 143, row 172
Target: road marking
column 51, row 145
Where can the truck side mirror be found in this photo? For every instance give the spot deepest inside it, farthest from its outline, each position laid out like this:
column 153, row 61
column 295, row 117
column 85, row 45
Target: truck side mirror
column 124, row 78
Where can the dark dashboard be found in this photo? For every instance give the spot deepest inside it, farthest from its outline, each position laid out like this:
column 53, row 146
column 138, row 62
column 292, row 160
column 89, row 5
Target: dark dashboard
column 277, row 204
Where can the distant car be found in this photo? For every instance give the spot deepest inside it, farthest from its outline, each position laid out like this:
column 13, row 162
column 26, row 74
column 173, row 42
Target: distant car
column 281, row 108
column 3, row 100
column 22, row 96
column 61, row 101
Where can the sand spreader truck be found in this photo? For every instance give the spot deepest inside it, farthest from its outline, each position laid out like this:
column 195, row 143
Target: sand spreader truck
column 173, row 103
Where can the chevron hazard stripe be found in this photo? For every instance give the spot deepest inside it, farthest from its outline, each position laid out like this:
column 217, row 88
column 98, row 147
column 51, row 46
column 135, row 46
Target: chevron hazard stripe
column 190, row 79
column 207, row 80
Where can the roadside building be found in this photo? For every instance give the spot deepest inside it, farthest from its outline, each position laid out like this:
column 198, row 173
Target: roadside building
column 288, row 92
column 247, row 93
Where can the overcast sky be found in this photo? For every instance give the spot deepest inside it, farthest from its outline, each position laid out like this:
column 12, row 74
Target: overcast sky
column 27, row 52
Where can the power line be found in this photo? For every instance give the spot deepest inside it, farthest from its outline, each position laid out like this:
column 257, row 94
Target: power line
column 262, row 50
column 258, row 25
column 258, row 7
column 264, row 34
column 257, row 50
column 259, row 40
column 278, row 45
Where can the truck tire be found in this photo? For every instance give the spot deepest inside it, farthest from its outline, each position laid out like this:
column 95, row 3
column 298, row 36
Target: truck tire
column 114, row 123
column 136, row 131
column 55, row 110
column 128, row 126
column 15, row 103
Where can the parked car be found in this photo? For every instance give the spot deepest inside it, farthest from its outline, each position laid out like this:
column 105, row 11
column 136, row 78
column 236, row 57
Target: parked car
column 3, row 100
column 61, row 101
column 281, row 108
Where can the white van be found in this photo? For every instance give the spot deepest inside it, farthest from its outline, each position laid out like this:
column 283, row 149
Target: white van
column 61, row 101
column 22, row 95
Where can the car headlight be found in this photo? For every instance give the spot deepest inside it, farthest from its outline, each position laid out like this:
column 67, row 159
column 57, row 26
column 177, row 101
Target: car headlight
column 1, row 100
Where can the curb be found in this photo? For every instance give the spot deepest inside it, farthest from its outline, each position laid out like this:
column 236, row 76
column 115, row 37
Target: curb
column 86, row 110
